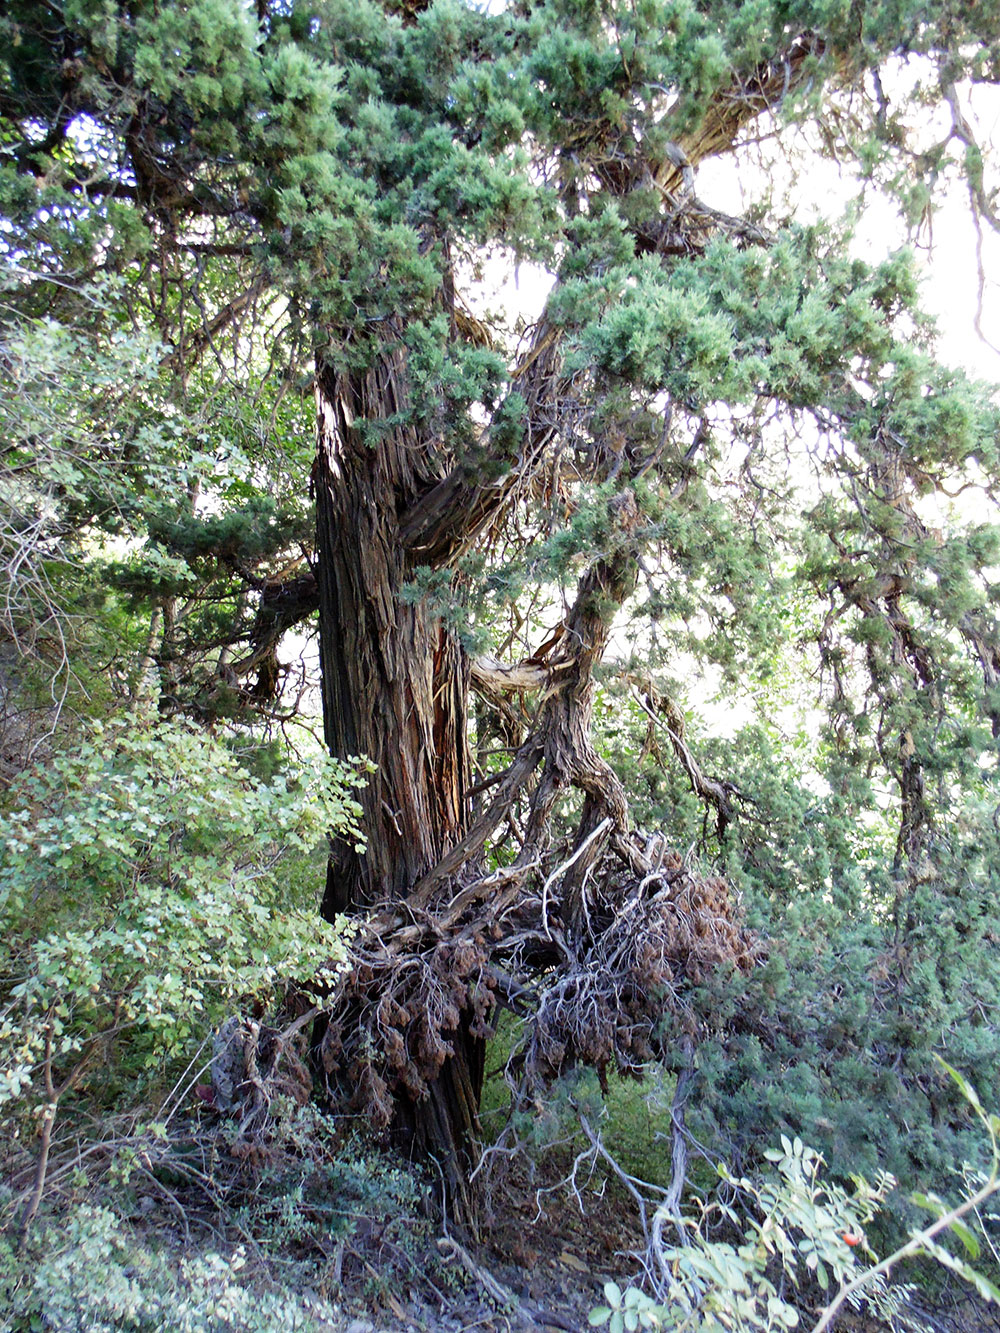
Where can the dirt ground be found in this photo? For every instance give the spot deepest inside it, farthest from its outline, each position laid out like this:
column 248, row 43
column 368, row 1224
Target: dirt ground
column 539, row 1264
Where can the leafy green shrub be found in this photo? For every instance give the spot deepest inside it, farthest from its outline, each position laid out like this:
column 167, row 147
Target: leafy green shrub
column 149, row 882
column 88, row 1275
column 809, row 1229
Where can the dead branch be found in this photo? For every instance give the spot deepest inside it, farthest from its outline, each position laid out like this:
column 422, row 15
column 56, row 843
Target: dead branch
column 669, row 1209
column 720, row 795
column 493, row 678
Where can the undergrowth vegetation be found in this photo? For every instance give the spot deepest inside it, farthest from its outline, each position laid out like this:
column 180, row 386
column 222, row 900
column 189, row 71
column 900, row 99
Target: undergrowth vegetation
column 149, row 883
column 173, row 1227
column 89, row 1274
column 795, row 1246
column 158, row 908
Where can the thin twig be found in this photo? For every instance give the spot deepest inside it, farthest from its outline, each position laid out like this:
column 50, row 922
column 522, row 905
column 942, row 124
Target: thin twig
column 913, row 1246
column 560, row 870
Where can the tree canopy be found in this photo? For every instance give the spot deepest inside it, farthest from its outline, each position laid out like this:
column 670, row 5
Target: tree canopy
column 252, row 382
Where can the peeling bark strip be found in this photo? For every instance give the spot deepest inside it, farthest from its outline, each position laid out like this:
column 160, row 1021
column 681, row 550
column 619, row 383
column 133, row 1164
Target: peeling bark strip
column 395, row 686
column 394, row 682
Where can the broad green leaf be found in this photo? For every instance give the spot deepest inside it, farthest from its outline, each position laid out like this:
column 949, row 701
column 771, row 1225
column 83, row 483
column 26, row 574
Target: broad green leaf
column 966, row 1236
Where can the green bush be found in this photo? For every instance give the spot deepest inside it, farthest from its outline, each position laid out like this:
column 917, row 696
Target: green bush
column 148, row 884
column 798, row 1231
column 89, row 1275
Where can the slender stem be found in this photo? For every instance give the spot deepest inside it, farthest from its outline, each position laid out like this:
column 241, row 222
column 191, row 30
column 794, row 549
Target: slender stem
column 53, row 1096
column 670, row 1208
column 41, row 1167
column 913, row 1246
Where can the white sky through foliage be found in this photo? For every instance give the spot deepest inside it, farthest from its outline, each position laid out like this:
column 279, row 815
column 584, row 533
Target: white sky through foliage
column 960, row 289
column 806, row 185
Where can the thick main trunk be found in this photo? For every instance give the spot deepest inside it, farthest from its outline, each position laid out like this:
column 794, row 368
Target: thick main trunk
column 394, row 681
column 395, row 688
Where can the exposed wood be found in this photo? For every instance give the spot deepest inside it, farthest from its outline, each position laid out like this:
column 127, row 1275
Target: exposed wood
column 736, row 107
column 496, row 678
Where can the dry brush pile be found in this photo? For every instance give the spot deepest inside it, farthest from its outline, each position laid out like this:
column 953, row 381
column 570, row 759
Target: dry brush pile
column 616, row 994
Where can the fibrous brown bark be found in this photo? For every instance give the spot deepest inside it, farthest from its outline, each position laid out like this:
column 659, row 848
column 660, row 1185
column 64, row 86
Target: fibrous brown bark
column 394, row 681
column 395, row 687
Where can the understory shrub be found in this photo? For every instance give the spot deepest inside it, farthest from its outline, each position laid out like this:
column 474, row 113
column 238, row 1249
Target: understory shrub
column 197, row 1228
column 149, row 884
column 88, row 1274
column 798, row 1248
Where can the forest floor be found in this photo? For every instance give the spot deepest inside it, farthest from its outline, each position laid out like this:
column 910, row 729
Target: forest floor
column 542, row 1262
column 352, row 1235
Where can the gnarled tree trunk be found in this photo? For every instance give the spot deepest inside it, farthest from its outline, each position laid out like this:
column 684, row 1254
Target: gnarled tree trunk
column 444, row 937
column 395, row 689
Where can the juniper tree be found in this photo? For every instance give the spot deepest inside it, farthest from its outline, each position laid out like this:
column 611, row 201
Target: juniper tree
column 489, row 507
